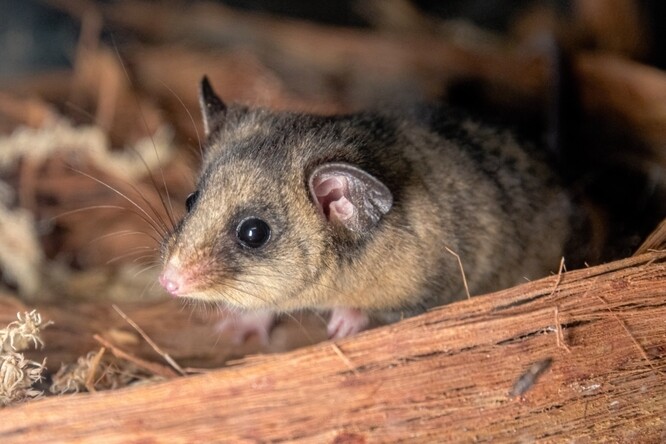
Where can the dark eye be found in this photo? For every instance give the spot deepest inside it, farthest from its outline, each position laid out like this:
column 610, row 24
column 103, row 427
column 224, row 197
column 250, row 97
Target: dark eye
column 191, row 200
column 253, row 232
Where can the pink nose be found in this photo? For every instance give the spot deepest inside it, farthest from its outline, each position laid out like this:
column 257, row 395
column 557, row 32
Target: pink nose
column 172, row 280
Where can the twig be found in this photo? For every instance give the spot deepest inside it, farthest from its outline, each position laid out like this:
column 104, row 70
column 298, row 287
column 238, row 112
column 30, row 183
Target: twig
column 560, row 333
column 94, row 364
column 559, row 277
column 344, row 358
column 154, row 368
column 150, row 342
column 462, row 270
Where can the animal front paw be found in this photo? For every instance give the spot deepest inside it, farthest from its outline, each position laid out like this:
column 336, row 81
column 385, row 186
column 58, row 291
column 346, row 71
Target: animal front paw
column 346, row 322
column 240, row 327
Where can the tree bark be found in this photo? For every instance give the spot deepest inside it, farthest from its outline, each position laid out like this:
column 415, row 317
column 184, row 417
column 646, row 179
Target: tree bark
column 449, row 375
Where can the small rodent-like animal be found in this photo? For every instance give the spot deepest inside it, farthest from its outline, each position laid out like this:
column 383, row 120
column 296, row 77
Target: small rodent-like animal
column 361, row 214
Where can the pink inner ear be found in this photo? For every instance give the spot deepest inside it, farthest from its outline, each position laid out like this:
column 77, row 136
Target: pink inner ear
column 331, row 195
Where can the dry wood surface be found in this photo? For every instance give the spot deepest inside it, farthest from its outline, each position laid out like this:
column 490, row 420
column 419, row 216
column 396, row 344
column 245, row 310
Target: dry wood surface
column 448, row 375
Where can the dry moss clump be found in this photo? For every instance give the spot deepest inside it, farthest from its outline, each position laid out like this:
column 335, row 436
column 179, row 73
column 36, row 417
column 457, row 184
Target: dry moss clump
column 18, row 374
column 96, row 371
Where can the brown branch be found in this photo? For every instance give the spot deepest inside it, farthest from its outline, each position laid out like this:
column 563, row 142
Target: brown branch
column 154, row 368
column 94, row 365
column 155, row 347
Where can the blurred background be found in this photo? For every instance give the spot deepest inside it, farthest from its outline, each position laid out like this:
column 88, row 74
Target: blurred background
column 36, row 36
column 40, row 35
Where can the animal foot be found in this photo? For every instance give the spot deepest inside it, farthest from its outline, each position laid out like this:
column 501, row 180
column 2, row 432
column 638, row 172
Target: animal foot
column 346, row 322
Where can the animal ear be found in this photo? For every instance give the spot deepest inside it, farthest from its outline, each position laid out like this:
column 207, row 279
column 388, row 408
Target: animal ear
column 212, row 107
column 349, row 196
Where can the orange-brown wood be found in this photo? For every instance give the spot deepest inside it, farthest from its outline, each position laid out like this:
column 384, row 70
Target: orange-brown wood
column 443, row 376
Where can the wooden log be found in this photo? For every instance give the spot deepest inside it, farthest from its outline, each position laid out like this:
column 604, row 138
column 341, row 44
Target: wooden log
column 440, row 377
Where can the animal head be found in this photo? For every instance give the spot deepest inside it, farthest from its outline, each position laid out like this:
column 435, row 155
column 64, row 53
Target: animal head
column 280, row 198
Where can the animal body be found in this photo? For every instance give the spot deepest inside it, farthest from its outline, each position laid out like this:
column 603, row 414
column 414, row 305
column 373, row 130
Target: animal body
column 361, row 214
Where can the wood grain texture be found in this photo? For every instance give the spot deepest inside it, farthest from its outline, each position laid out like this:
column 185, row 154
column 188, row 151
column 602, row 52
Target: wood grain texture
column 443, row 376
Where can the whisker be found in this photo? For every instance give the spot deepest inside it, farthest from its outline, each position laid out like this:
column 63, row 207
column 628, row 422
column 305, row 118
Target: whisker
column 145, row 256
column 169, row 210
column 147, row 288
column 194, row 125
column 225, row 295
column 300, row 326
column 233, row 298
column 282, row 312
column 133, row 251
column 96, row 121
column 147, row 218
column 92, row 207
column 275, row 305
column 145, row 199
column 143, row 270
column 108, row 207
column 152, row 179
column 122, row 233
column 320, row 317
column 299, row 278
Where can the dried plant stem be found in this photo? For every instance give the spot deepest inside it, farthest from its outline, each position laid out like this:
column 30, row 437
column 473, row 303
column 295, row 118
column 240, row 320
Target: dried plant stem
column 156, row 369
column 152, row 343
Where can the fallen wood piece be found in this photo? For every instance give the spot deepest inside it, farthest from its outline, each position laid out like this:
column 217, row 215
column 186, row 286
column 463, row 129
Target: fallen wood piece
column 440, row 377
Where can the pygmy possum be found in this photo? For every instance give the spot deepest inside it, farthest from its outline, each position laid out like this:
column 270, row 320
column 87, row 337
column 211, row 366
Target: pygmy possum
column 360, row 214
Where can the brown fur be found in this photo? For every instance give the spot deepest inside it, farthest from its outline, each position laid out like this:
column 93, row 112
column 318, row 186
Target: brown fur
column 464, row 186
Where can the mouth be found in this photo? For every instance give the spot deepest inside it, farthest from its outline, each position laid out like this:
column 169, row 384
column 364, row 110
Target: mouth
column 201, row 282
